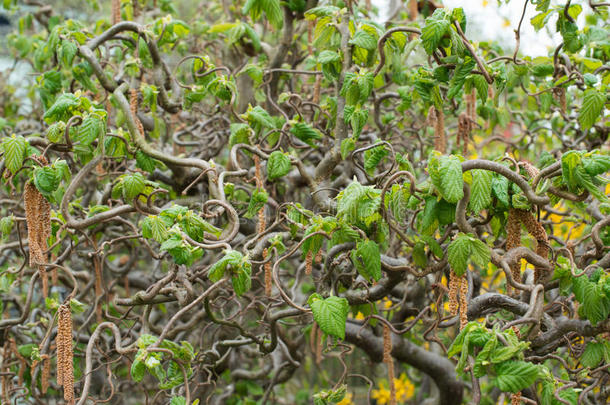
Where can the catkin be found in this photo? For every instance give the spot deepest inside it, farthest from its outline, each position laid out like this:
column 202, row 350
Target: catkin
column 268, row 269
column 116, row 11
column 63, row 341
column 463, row 134
column 536, row 230
column 133, row 106
column 387, row 359
column 316, row 89
column 38, row 219
column 463, row 301
column 46, row 372
column 308, row 263
column 438, row 121
column 319, row 346
column 513, row 240
column 454, row 287
column 413, row 11
column 560, row 97
column 515, row 399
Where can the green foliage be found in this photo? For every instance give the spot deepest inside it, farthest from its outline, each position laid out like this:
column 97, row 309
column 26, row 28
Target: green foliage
column 330, row 314
column 464, row 249
column 14, row 149
column 237, row 266
column 278, row 165
column 367, row 259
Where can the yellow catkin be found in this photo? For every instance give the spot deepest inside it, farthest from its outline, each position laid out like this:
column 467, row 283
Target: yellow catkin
column 513, row 240
column 463, row 301
column 536, row 231
column 319, row 256
column 515, row 399
column 268, row 269
column 387, row 359
column 63, row 341
column 454, row 287
column 116, row 11
column 308, row 263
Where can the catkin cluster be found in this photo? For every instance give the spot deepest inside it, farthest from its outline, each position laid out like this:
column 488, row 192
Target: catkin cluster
column 38, row 219
column 387, row 359
column 458, row 297
column 63, row 341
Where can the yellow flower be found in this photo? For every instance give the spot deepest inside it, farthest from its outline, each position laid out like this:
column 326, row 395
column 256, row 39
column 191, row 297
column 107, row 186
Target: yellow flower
column 359, row 316
column 387, row 303
column 381, row 395
column 485, row 3
column 347, row 400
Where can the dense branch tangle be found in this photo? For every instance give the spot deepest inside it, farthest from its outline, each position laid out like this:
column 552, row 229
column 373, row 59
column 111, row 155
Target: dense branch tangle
column 245, row 195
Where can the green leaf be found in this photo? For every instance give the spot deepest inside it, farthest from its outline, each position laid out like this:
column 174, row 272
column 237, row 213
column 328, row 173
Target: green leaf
column 178, row 401
column 364, row 40
column 328, row 57
column 592, row 106
column 278, row 165
column 434, row 30
column 458, row 254
column 593, row 354
column 480, row 252
column 480, row 191
column 145, row 162
column 55, row 132
column 67, row 52
column 367, row 260
column 306, row 133
column 514, row 376
column 274, row 12
column 452, row 181
column 241, row 280
column 14, row 148
column 217, row 270
column 372, row 157
column 138, row 369
column 90, row 129
column 133, row 185
column 47, row 179
column 155, row 227
column 6, row 225
column 257, row 201
column 330, row 314
column 459, row 76
column 61, row 110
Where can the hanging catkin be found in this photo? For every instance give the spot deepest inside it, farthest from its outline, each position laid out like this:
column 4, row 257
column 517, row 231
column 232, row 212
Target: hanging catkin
column 463, row 301
column 38, row 219
column 413, row 11
column 63, row 341
column 116, row 11
column 133, row 105
column 268, row 269
column 463, row 134
column 436, row 119
column 46, row 372
column 308, row 263
column 513, row 240
column 387, row 359
column 515, row 399
column 536, row 231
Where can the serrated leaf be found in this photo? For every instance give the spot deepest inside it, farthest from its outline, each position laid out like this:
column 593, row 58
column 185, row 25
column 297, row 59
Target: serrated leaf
column 480, row 191
column 434, row 30
column 367, row 260
column 138, row 370
column 278, row 165
column 133, row 185
column 459, row 76
column 145, row 162
column 592, row 106
column 451, row 181
column 514, row 376
column 14, row 148
column 364, row 40
column 61, row 109
column 458, row 254
column 90, row 129
column 330, row 314
column 257, row 201
column 47, row 179
column 55, row 132
column 306, row 133
column 593, row 354
column 67, row 52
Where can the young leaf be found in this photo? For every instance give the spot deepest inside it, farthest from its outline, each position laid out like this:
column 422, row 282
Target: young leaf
column 367, row 260
column 14, row 148
column 592, row 106
column 257, row 201
column 451, row 181
column 434, row 30
column 133, row 185
column 278, row 165
column 330, row 314
column 513, row 376
column 480, row 191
